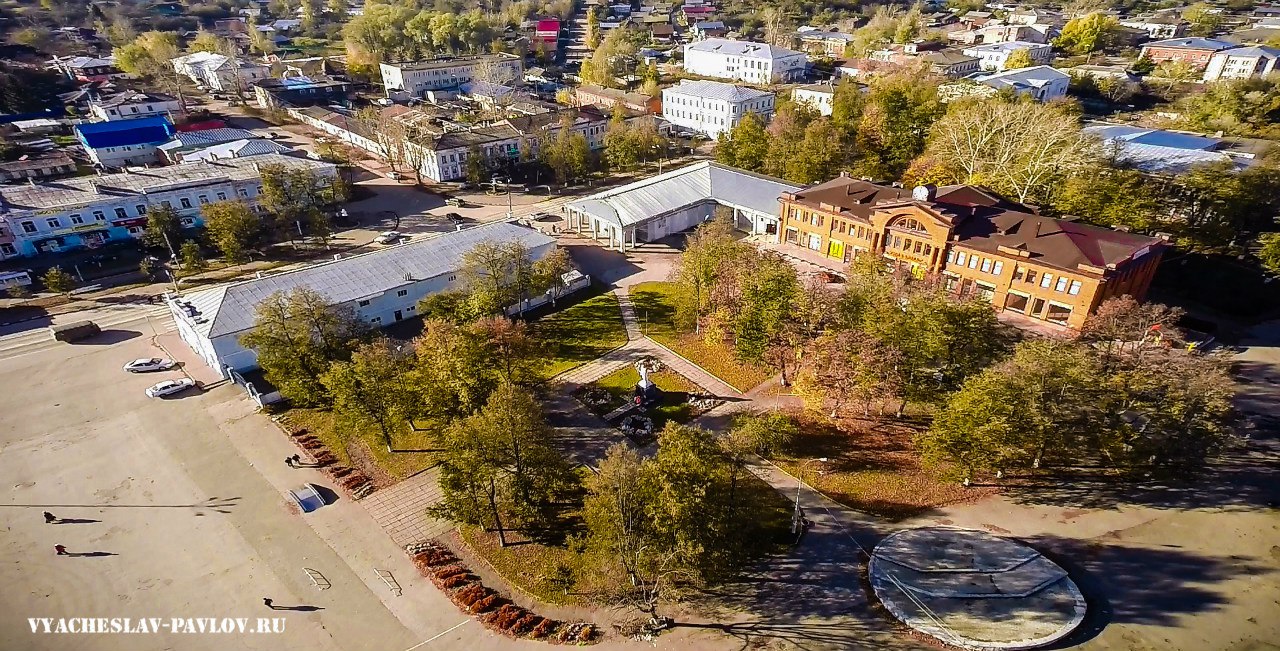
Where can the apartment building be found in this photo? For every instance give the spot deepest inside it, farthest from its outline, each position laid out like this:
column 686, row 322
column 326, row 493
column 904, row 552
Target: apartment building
column 1194, row 50
column 1053, row 270
column 90, row 211
column 756, row 63
column 133, row 104
column 124, row 142
column 994, row 56
column 1253, row 62
column 418, row 77
column 712, row 107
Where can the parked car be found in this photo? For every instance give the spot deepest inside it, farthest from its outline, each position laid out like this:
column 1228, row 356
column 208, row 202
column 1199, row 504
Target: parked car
column 389, row 237
column 148, row 365
column 170, row 387
column 395, row 176
column 454, row 202
column 308, row 497
column 74, row 331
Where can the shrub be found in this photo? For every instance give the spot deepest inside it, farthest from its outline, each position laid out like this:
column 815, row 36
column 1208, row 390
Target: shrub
column 544, row 628
column 524, row 624
column 455, row 581
column 486, row 603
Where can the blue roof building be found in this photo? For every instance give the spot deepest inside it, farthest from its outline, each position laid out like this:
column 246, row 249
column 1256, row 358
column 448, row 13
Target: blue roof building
column 124, row 142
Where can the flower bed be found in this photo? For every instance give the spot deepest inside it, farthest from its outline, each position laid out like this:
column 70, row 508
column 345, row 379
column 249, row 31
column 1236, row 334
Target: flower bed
column 352, row 481
column 496, row 612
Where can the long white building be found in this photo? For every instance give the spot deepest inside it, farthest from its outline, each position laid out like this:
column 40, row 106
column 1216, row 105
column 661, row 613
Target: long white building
column 383, row 287
column 418, row 77
column 757, row 63
column 713, row 107
column 994, row 55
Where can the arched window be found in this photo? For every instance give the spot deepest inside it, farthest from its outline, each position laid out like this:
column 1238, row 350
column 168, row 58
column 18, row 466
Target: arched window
column 908, row 224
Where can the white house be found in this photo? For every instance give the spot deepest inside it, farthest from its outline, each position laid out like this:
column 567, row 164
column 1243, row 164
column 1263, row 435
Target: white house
column 1042, row 83
column 653, row 208
column 757, row 63
column 382, row 287
column 219, row 72
column 89, row 211
column 1252, row 62
column 1158, row 26
column 821, row 97
column 994, row 55
column 133, row 104
column 418, row 77
column 713, row 107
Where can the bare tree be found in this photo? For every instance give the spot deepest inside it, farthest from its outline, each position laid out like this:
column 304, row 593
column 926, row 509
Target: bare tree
column 387, row 134
column 1017, row 148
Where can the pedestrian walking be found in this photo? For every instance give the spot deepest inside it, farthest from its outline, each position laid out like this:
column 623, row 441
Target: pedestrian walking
column 50, row 518
column 297, row 459
column 288, row 461
column 268, row 603
column 61, row 549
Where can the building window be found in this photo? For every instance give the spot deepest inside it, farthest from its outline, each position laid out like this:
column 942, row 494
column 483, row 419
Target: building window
column 376, row 319
column 973, row 261
column 7, row 249
column 403, row 292
column 1058, row 313
column 120, row 214
column 1046, row 280
column 1031, row 276
column 1062, row 284
column 244, row 192
column 986, row 265
column 185, row 202
column 188, row 222
column 1016, row 302
column 134, row 230
column 364, row 303
column 167, row 204
column 959, row 258
column 77, row 219
column 53, row 222
column 452, row 277
column 204, row 198
column 222, row 196
column 999, row 266
column 28, row 227
column 951, row 257
column 1075, row 288
column 986, row 291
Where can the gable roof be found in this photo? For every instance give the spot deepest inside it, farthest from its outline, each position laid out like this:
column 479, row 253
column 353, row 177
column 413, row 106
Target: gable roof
column 1056, row 242
column 120, row 133
column 716, row 90
column 741, row 48
column 1192, row 43
column 682, row 188
column 231, row 309
column 134, row 97
column 1033, row 77
column 235, row 149
column 207, row 137
column 1259, row 51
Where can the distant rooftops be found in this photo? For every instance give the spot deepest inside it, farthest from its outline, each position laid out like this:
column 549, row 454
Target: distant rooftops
column 1192, row 43
column 452, row 62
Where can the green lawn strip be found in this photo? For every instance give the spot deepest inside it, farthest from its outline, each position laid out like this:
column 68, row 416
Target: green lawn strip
column 875, row 470
column 655, row 307
column 580, row 332
column 529, row 566
column 337, row 436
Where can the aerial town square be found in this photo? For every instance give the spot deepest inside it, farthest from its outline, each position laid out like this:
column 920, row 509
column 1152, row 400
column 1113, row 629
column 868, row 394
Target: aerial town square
column 711, row 325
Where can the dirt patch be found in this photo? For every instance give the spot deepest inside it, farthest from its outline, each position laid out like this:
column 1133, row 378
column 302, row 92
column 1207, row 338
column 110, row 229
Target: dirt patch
column 362, row 458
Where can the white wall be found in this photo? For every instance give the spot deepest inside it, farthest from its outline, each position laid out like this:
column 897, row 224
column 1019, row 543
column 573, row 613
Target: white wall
column 130, row 111
column 710, row 116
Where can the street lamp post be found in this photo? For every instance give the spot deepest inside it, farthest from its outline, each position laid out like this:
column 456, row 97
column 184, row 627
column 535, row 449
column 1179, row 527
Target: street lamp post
column 795, row 518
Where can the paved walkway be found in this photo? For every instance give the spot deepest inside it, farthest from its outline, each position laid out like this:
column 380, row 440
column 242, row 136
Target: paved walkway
column 401, row 509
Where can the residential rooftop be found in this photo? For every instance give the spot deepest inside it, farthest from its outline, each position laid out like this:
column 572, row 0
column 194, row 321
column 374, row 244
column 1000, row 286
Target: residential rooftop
column 1192, row 43
column 746, row 49
column 716, row 90
column 451, row 62
column 83, row 190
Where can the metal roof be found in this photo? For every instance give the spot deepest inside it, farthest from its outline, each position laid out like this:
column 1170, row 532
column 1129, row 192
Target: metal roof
column 1034, row 77
column 681, row 188
column 716, row 90
column 120, row 133
column 741, row 48
column 1152, row 150
column 232, row 309
column 1192, row 43
column 235, row 149
column 84, row 190
column 207, row 137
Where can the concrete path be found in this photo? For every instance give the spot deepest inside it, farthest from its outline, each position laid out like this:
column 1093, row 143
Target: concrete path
column 401, row 509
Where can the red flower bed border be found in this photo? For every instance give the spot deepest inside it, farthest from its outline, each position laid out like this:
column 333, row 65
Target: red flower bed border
column 354, row 483
column 497, row 613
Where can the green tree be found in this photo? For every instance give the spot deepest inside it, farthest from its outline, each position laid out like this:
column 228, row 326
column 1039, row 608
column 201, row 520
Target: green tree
column 1019, row 59
column 163, row 228
column 206, row 41
column 769, row 288
column 232, row 227
column 1204, row 18
column 369, row 390
column 1110, row 196
column 496, row 276
column 1269, row 251
column 899, row 112
column 1176, row 71
column 58, row 281
column 1088, row 33
column 549, row 271
column 593, row 29
column 147, row 267
column 1017, row 414
column 763, row 433
column 192, row 258
column 706, row 256
column 297, row 336
column 746, row 145
column 151, row 55
column 1243, row 107
column 499, row 467
column 295, row 196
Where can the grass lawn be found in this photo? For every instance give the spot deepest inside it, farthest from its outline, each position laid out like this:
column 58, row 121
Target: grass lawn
column 675, row 388
column 528, row 565
column 872, row 467
column 655, row 307
column 578, row 332
column 365, row 449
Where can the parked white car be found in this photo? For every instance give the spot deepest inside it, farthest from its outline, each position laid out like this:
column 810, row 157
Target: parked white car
column 308, row 497
column 389, row 237
column 170, row 387
column 147, row 365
